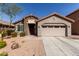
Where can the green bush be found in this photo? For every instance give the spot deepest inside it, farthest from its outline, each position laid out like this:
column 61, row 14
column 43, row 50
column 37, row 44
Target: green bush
column 9, row 32
column 4, row 33
column 22, row 34
column 2, row 44
column 4, row 54
column 14, row 34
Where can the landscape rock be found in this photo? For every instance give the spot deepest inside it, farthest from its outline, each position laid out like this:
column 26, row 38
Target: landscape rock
column 14, row 45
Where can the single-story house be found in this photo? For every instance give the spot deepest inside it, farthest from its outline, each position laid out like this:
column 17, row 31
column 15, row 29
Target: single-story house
column 5, row 25
column 75, row 26
column 51, row 25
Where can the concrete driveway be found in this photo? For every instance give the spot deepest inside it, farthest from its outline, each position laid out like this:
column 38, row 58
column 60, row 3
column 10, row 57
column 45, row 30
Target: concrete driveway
column 60, row 46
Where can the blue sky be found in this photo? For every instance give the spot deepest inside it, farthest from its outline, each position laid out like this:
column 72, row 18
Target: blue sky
column 42, row 9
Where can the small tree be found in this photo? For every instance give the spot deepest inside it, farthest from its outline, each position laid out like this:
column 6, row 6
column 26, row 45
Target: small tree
column 9, row 9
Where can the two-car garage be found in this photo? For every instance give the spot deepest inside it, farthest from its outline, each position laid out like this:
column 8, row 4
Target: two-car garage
column 54, row 25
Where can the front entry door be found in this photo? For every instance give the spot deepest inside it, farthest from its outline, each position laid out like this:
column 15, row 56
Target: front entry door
column 32, row 29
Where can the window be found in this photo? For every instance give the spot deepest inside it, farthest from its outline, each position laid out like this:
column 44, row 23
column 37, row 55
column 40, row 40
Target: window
column 56, row 26
column 44, row 26
column 20, row 27
column 50, row 26
column 62, row 26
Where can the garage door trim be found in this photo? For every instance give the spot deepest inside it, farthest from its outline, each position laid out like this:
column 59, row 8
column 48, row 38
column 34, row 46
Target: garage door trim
column 58, row 24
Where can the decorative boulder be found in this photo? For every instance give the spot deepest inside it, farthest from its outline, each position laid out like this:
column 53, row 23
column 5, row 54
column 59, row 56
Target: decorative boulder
column 14, row 45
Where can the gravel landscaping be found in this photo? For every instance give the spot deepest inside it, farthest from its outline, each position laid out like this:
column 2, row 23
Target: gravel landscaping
column 28, row 46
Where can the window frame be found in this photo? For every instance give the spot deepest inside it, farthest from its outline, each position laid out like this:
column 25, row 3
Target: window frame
column 20, row 27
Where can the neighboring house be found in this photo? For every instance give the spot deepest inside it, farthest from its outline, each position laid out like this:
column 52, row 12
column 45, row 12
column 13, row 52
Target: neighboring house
column 51, row 25
column 6, row 25
column 75, row 26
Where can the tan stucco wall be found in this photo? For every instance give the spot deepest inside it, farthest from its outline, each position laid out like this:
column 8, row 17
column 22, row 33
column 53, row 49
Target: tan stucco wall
column 25, row 22
column 55, row 19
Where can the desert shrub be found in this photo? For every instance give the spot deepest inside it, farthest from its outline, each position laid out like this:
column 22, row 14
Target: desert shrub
column 9, row 32
column 4, row 54
column 4, row 33
column 2, row 44
column 14, row 34
column 22, row 34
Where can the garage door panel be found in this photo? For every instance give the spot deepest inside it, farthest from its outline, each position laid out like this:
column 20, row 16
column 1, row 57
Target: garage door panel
column 52, row 31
